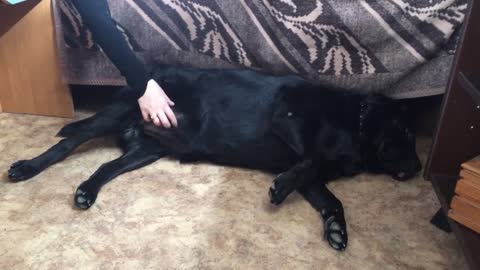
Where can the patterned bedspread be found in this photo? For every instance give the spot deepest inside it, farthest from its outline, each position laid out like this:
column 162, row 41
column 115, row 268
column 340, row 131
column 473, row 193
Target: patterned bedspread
column 402, row 48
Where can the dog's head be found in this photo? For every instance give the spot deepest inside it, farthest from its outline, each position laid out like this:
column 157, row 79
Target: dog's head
column 392, row 147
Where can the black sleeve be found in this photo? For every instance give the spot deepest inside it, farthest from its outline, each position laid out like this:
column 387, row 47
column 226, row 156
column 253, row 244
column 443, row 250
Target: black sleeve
column 96, row 16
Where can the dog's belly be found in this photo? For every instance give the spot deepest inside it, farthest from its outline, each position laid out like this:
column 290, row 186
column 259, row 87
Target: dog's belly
column 267, row 153
column 251, row 146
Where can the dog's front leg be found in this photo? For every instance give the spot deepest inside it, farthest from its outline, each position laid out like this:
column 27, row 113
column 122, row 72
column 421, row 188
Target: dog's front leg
column 287, row 182
column 331, row 210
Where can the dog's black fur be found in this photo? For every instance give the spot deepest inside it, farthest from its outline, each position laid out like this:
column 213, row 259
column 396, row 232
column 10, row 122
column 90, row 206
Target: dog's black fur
column 304, row 132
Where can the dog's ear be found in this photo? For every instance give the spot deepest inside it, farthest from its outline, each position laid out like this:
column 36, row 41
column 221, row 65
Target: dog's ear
column 289, row 128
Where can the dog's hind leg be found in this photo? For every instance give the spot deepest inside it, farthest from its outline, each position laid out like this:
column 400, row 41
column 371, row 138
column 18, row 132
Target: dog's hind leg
column 106, row 121
column 26, row 169
column 331, row 210
column 135, row 158
column 113, row 118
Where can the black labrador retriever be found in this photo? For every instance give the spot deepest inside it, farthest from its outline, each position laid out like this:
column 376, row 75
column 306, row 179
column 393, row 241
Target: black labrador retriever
column 305, row 133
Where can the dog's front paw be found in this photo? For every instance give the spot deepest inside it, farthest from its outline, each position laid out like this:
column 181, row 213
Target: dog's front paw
column 280, row 189
column 84, row 198
column 336, row 232
column 22, row 170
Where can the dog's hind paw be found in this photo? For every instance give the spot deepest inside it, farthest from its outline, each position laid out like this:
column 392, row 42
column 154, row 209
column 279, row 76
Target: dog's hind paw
column 84, row 199
column 22, row 170
column 280, row 189
column 336, row 233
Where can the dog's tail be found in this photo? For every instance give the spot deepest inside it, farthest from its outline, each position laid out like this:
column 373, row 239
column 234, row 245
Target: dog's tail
column 123, row 109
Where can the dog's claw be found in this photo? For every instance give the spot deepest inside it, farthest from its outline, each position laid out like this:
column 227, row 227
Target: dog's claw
column 276, row 195
column 22, row 170
column 272, row 194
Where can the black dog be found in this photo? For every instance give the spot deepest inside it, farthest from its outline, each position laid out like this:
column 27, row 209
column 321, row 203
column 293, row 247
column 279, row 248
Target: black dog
column 305, row 132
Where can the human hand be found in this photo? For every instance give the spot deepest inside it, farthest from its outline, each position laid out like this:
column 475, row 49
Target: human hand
column 155, row 106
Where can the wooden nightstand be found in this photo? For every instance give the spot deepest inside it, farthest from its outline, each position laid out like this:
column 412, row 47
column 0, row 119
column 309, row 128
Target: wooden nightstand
column 457, row 136
column 30, row 74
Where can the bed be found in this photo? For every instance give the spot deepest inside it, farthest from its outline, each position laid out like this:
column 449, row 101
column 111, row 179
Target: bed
column 401, row 48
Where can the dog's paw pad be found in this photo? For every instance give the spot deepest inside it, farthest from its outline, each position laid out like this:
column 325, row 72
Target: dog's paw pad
column 22, row 170
column 84, row 199
column 336, row 234
column 277, row 193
